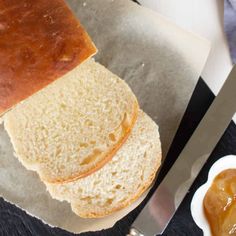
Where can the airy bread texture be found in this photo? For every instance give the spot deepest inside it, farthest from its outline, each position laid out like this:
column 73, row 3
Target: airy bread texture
column 75, row 125
column 122, row 180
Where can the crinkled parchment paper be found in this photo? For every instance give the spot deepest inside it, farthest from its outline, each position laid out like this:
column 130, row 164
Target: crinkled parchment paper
column 159, row 61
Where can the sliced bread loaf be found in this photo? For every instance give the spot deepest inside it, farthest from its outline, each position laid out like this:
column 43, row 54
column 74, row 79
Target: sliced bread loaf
column 75, row 125
column 122, row 180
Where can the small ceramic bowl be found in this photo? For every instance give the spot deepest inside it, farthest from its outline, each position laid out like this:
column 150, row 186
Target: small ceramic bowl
column 227, row 162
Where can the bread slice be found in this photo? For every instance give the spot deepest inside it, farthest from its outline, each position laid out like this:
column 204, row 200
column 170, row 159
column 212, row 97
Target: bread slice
column 122, row 180
column 75, row 125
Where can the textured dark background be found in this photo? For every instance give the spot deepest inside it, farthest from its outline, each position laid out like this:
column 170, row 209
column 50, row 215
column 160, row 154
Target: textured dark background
column 14, row 221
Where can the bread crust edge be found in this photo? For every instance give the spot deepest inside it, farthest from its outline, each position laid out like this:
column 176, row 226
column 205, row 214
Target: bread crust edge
column 127, row 202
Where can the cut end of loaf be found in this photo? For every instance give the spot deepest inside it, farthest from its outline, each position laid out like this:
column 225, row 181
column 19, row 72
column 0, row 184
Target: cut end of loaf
column 75, row 125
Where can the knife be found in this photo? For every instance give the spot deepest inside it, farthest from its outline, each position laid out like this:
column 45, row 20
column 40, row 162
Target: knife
column 159, row 210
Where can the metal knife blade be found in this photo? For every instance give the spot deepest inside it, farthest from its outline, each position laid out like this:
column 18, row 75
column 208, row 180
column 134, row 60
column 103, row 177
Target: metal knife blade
column 161, row 207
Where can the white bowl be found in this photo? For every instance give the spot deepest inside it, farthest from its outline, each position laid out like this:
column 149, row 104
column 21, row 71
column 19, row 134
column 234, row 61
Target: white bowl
column 227, row 162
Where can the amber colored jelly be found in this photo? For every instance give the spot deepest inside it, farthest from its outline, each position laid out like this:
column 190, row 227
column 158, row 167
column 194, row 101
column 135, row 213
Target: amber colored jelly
column 220, row 204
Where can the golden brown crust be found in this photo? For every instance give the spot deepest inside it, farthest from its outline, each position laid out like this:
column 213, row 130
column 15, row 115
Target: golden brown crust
column 108, row 157
column 124, row 204
column 39, row 42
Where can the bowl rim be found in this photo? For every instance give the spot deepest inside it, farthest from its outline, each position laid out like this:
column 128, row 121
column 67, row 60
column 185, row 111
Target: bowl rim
column 196, row 207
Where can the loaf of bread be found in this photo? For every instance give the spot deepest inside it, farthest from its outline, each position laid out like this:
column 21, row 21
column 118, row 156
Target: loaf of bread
column 73, row 126
column 39, row 42
column 70, row 119
column 122, row 180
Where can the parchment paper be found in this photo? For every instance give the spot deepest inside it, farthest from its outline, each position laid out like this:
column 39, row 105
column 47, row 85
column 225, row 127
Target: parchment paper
column 159, row 61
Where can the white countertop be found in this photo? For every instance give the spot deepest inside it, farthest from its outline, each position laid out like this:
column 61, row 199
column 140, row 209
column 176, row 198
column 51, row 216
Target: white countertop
column 205, row 18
